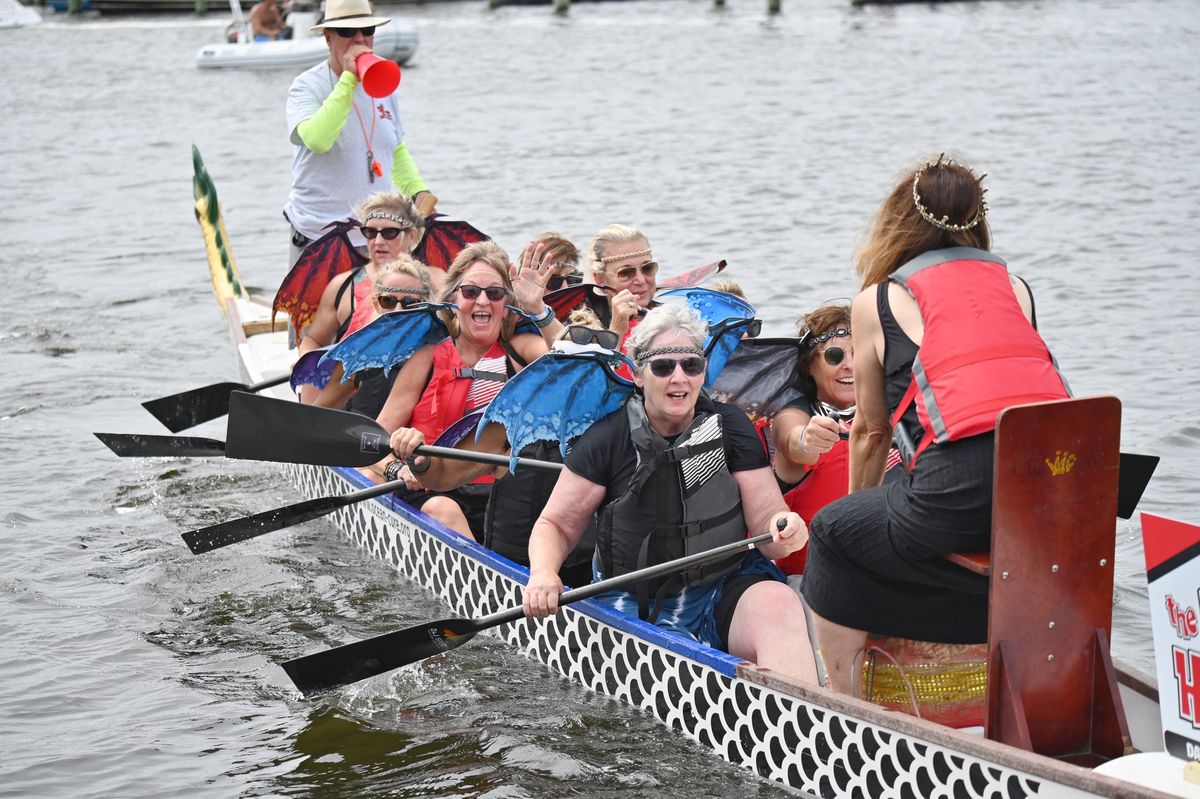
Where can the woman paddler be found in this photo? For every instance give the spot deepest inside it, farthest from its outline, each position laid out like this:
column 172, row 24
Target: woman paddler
column 623, row 263
column 930, row 288
column 812, row 459
column 392, row 226
column 442, row 382
column 673, row 473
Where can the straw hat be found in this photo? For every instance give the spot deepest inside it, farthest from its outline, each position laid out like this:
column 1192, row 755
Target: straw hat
column 349, row 14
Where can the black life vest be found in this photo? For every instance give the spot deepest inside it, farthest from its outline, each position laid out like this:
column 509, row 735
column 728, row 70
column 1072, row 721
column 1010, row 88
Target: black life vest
column 516, row 502
column 681, row 500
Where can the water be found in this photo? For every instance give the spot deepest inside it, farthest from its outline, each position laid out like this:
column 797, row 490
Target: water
column 132, row 669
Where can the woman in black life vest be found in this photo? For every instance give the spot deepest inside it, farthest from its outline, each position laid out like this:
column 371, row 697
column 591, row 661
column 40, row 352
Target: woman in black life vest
column 943, row 340
column 672, row 473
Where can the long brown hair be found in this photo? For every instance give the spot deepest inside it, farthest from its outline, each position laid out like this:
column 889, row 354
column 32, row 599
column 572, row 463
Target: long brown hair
column 952, row 197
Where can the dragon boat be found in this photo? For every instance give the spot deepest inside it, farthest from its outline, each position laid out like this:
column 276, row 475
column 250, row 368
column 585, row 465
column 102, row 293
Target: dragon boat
column 811, row 739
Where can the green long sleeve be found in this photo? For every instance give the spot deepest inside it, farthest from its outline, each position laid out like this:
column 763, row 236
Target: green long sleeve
column 405, row 175
column 322, row 129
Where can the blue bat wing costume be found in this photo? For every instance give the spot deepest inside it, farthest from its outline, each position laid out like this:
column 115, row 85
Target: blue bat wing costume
column 557, row 397
column 390, row 340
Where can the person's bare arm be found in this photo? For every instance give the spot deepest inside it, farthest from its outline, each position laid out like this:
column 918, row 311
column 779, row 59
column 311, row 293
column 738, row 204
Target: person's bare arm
column 555, row 534
column 871, row 430
column 763, row 506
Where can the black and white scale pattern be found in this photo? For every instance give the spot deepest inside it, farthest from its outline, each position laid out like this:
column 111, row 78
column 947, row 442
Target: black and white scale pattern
column 780, row 737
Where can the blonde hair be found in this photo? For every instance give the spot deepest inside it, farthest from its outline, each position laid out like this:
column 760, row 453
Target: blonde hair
column 407, row 265
column 613, row 234
column 395, row 204
column 729, row 287
column 492, row 255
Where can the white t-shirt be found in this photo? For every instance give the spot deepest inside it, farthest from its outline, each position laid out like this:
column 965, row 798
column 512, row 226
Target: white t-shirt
column 327, row 186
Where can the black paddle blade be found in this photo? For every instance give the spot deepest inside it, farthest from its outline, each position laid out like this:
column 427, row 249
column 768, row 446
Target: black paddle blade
column 1133, row 477
column 190, row 408
column 283, row 431
column 135, row 445
column 245, row 528
column 333, row 668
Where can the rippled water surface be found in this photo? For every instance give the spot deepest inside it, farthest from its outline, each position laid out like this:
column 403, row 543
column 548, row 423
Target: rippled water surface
column 132, row 669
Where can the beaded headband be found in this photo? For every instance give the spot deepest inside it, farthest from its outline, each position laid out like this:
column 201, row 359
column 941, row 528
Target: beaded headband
column 648, row 354
column 386, row 215
column 398, row 290
column 610, row 258
column 944, row 222
column 811, row 342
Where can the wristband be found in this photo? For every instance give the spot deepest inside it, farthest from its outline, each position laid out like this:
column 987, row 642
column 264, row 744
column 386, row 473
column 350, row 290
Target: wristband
column 543, row 319
column 391, row 472
column 418, row 468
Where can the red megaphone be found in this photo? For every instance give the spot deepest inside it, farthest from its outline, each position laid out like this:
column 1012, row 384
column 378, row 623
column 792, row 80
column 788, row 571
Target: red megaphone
column 379, row 76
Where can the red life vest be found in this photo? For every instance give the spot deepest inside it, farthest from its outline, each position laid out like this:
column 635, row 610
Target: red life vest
column 444, row 400
column 979, row 354
column 826, row 480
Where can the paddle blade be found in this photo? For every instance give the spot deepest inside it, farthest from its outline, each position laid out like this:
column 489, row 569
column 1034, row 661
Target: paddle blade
column 283, row 431
column 134, row 445
column 233, row 531
column 190, row 408
column 333, row 668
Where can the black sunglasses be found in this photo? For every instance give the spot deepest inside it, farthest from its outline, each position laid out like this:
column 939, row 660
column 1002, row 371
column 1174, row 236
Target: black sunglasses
column 834, row 355
column 648, row 269
column 388, row 302
column 665, row 367
column 348, row 33
column 494, row 293
column 388, row 233
column 558, row 281
column 579, row 334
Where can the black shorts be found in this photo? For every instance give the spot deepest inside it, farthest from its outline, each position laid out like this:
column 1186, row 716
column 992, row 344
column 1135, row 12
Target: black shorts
column 472, row 499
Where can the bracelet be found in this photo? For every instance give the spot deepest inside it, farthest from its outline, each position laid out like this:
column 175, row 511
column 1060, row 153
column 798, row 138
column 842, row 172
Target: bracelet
column 800, row 440
column 391, row 472
column 543, row 319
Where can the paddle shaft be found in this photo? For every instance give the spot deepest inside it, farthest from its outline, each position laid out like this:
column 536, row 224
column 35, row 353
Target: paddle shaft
column 623, row 580
column 349, row 663
column 235, row 531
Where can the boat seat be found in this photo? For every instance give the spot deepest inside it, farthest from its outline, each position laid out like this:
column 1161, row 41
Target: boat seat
column 1051, row 684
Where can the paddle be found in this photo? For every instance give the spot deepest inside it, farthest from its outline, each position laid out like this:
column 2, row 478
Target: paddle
column 245, row 528
column 284, row 431
column 350, row 663
column 190, row 408
column 135, row 445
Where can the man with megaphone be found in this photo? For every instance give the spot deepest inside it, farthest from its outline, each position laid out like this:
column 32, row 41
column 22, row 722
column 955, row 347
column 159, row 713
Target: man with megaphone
column 345, row 125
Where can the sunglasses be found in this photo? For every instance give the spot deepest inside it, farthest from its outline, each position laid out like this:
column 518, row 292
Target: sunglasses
column 834, row 355
column 579, row 334
column 625, row 273
column 494, row 293
column 388, row 302
column 348, row 33
column 558, row 281
column 665, row 367
column 389, row 233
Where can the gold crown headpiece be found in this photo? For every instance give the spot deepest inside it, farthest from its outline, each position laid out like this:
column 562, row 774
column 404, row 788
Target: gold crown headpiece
column 944, row 223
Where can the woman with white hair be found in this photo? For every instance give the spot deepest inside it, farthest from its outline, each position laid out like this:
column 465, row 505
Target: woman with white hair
column 669, row 474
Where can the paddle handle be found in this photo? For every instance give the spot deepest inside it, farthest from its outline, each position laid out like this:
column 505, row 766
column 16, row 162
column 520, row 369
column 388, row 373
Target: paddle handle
column 484, row 457
column 620, row 581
